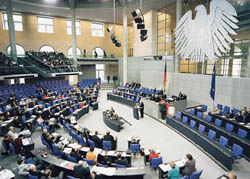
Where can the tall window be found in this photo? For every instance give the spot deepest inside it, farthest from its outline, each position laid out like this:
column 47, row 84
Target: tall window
column 17, row 18
column 225, row 67
column 19, row 51
column 78, row 27
column 47, row 48
column 236, row 67
column 99, row 51
column 45, row 25
column 70, row 52
column 97, row 29
column 100, row 71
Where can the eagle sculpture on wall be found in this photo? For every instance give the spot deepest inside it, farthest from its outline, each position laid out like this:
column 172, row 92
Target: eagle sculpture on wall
column 207, row 35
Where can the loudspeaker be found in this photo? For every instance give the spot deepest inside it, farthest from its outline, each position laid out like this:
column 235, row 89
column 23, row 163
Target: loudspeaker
column 140, row 26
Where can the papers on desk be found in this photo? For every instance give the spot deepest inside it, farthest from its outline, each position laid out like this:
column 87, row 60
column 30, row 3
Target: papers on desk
column 146, row 152
column 181, row 163
column 106, row 171
column 84, row 149
column 65, row 142
column 124, row 154
column 165, row 167
column 26, row 133
column 199, row 107
column 67, row 150
column 110, row 153
column 6, row 174
column 26, row 141
column 97, row 151
column 68, row 165
column 74, row 146
column 242, row 123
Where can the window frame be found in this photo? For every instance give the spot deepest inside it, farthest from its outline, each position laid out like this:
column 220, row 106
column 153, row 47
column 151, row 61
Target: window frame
column 69, row 20
column 77, row 56
column 8, row 54
column 92, row 30
column 45, row 25
column 6, row 26
column 46, row 46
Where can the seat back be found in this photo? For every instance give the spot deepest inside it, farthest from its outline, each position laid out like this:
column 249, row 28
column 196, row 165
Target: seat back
column 208, row 118
column 91, row 143
column 237, row 151
column 72, row 159
column 219, row 106
column 199, row 114
column 204, row 108
column 184, row 119
column 196, row 175
column 32, row 177
column 191, row 111
column 156, row 162
column 101, row 165
column 192, row 123
column 211, row 134
column 120, row 166
column 135, row 148
column 70, row 177
column 90, row 162
column 178, row 115
column 201, row 128
column 235, row 111
column 218, row 122
column 229, row 127
column 107, row 145
column 223, row 141
column 242, row 133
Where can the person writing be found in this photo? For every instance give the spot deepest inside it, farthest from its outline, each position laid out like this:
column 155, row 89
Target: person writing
column 174, row 173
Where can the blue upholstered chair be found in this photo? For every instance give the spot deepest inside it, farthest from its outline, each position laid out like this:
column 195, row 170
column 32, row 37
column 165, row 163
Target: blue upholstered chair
column 229, row 127
column 191, row 111
column 218, row 122
column 237, row 151
column 201, row 128
column 178, row 115
column 208, row 118
column 32, row 177
column 120, row 166
column 192, row 123
column 184, row 119
column 242, row 133
column 72, row 159
column 101, row 165
column 135, row 148
column 196, row 175
column 199, row 114
column 107, row 145
column 211, row 134
column 91, row 143
column 223, row 141
column 156, row 162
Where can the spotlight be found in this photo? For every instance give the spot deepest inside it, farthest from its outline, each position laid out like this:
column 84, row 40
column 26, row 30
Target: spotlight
column 136, row 13
column 144, row 32
column 143, row 37
column 140, row 26
column 138, row 20
column 109, row 29
column 118, row 44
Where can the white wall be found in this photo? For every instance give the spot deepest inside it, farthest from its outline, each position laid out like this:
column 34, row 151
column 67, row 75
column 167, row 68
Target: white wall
column 149, row 46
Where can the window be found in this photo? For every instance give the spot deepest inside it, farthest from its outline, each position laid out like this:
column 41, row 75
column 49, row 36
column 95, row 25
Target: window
column 225, row 67
column 99, row 51
column 97, row 29
column 47, row 48
column 78, row 27
column 45, row 25
column 19, row 51
column 100, row 71
column 236, row 67
column 70, row 52
column 17, row 19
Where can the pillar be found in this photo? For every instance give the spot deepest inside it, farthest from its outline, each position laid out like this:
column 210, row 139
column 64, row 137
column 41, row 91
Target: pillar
column 125, row 55
column 11, row 30
column 248, row 61
column 73, row 29
column 178, row 17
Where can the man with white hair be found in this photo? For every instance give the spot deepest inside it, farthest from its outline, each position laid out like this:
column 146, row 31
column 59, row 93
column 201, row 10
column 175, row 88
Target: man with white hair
column 81, row 170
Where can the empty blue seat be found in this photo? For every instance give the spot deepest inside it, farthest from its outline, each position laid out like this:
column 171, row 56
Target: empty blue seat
column 226, row 110
column 201, row 128
column 242, row 133
column 192, row 123
column 218, row 122
column 178, row 115
column 204, row 108
column 199, row 114
column 120, row 166
column 156, row 162
column 196, row 175
column 229, row 127
column 235, row 111
column 223, row 141
column 191, row 111
column 72, row 159
column 107, row 145
column 91, row 143
column 135, row 148
column 237, row 151
column 220, row 106
column 211, row 134
column 184, row 119
column 208, row 118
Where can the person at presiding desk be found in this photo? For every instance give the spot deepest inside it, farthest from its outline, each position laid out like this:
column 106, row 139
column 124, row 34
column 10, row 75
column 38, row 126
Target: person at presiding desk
column 121, row 161
column 189, row 167
column 91, row 155
column 174, row 173
column 81, row 170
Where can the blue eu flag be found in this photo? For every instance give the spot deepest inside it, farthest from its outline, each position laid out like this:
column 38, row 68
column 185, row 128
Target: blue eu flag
column 212, row 90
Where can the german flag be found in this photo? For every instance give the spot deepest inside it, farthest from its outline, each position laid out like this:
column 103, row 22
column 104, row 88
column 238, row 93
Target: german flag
column 165, row 77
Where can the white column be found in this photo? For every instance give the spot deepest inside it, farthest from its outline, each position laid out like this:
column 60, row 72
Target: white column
column 178, row 17
column 11, row 30
column 73, row 29
column 125, row 55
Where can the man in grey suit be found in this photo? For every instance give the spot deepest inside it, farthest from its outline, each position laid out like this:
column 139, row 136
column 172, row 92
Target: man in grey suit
column 189, row 166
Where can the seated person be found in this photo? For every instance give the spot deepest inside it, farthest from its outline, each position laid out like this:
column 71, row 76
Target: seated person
column 18, row 144
column 81, row 170
column 230, row 114
column 75, row 153
column 96, row 140
column 18, row 123
column 157, row 98
column 232, row 175
column 216, row 111
column 91, row 155
column 6, row 142
column 108, row 137
column 174, row 173
column 23, row 168
column 153, row 155
column 247, row 117
column 244, row 111
column 152, row 97
column 106, row 161
column 12, row 135
column 121, row 161
column 238, row 117
column 189, row 167
column 33, row 171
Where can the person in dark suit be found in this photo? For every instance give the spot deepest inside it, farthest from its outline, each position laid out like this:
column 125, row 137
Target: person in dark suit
column 163, row 109
column 106, row 161
column 108, row 78
column 33, row 171
column 230, row 114
column 81, row 170
column 96, row 140
column 157, row 98
column 108, row 137
column 247, row 117
column 75, row 153
column 238, row 117
column 142, row 109
column 189, row 167
column 121, row 161
column 18, row 123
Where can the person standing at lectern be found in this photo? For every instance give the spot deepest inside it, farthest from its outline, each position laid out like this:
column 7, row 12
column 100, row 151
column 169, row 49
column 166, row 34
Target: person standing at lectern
column 142, row 109
column 163, row 109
